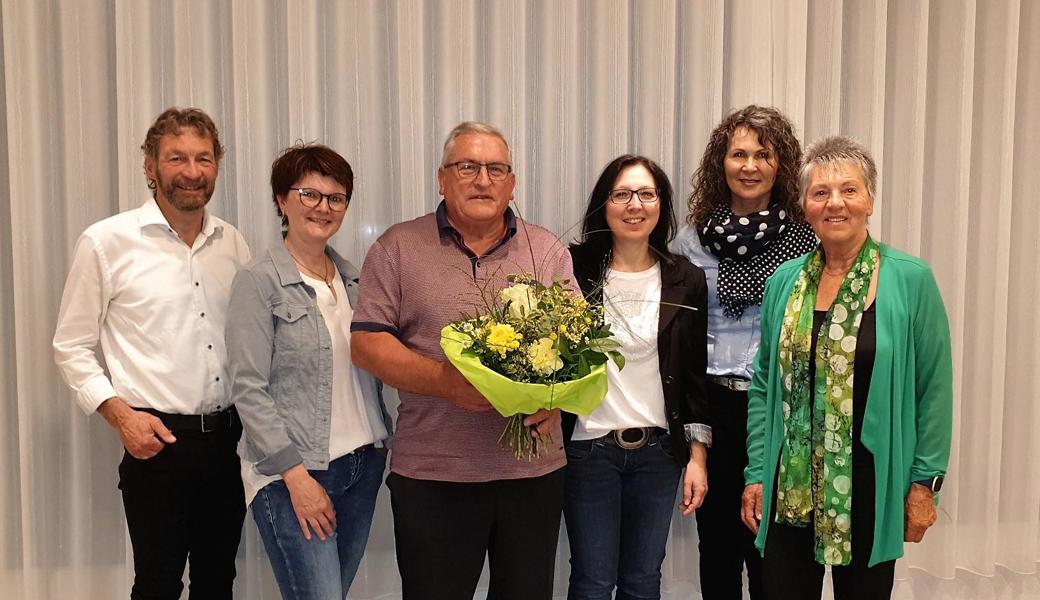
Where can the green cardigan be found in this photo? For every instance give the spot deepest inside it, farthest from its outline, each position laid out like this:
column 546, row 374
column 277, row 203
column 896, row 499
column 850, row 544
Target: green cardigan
column 908, row 421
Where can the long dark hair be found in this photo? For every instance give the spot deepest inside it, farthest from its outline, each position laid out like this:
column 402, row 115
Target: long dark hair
column 596, row 237
column 709, row 182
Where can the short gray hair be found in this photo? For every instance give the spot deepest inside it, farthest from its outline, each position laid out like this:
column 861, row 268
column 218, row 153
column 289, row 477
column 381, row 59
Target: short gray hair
column 832, row 151
column 471, row 127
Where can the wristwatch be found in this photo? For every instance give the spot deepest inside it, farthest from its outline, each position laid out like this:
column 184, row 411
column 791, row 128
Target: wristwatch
column 935, row 483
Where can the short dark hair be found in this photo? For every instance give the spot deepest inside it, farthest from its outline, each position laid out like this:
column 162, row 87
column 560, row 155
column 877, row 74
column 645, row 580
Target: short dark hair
column 295, row 162
column 709, row 182
column 171, row 122
column 596, row 234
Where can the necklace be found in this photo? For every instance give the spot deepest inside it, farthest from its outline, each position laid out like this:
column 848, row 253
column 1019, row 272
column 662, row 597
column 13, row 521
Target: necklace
column 324, row 275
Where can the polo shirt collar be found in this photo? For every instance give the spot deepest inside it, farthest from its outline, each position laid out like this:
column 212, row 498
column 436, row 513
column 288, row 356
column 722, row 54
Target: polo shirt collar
column 444, row 227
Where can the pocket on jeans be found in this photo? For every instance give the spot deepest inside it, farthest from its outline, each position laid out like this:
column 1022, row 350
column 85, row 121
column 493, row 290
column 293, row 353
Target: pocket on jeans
column 664, row 442
column 579, row 450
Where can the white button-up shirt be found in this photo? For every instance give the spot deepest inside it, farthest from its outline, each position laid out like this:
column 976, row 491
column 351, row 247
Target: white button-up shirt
column 156, row 306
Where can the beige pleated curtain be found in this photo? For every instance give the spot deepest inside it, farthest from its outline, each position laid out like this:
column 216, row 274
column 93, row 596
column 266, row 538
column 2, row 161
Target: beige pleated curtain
column 946, row 93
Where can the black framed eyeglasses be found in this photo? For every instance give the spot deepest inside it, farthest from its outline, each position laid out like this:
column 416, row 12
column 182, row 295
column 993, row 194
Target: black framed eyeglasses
column 311, row 198
column 468, row 170
column 646, row 195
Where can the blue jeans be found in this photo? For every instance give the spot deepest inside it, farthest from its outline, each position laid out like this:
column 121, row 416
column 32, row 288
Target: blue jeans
column 315, row 569
column 618, row 505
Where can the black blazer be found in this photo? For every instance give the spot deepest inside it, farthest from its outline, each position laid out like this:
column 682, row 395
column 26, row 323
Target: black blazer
column 682, row 340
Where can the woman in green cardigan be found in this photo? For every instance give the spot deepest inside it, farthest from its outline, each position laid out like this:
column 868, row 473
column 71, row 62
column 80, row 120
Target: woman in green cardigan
column 850, row 407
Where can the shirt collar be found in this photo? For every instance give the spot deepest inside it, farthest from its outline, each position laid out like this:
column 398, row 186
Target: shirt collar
column 444, row 227
column 151, row 215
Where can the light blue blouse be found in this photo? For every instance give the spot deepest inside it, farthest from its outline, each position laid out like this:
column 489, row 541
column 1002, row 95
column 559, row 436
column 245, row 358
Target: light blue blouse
column 732, row 343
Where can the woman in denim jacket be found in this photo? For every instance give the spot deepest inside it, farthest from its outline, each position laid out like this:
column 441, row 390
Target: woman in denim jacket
column 310, row 418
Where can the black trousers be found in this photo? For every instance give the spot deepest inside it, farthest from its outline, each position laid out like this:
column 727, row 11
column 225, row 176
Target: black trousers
column 443, row 531
column 726, row 544
column 790, row 570
column 185, row 504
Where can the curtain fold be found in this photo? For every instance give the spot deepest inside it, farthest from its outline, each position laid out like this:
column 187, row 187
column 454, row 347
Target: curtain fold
column 944, row 93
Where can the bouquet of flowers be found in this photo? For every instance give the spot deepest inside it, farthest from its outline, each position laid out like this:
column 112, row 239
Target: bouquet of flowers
column 536, row 346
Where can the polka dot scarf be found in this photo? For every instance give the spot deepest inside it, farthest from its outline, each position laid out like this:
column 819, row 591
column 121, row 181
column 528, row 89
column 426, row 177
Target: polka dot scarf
column 749, row 249
column 815, row 483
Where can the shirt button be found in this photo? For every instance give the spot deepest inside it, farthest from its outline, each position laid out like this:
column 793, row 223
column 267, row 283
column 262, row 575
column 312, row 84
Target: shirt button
column 202, row 314
column 209, row 346
column 668, row 379
column 218, row 377
column 196, row 284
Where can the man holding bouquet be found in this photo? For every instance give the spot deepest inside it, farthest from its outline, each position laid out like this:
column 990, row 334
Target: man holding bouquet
column 457, row 494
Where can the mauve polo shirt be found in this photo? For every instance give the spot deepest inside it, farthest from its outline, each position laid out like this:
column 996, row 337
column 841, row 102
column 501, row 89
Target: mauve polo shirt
column 417, row 278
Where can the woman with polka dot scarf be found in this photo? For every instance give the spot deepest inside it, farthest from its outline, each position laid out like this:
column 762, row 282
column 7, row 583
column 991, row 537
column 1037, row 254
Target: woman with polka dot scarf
column 850, row 407
column 744, row 222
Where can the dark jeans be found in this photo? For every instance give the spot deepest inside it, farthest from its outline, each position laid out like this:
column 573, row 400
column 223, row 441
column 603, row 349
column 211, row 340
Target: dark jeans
column 790, row 570
column 726, row 544
column 618, row 506
column 185, row 504
column 443, row 530
column 315, row 569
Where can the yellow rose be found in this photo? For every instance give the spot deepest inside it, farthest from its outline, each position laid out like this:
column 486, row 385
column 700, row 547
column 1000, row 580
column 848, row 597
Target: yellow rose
column 519, row 298
column 544, row 357
column 502, row 338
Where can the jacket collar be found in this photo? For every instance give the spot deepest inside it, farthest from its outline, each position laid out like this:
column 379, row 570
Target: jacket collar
column 288, row 274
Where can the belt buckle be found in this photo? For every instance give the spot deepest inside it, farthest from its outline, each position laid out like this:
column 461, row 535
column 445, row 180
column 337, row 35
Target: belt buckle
column 202, row 419
column 627, row 445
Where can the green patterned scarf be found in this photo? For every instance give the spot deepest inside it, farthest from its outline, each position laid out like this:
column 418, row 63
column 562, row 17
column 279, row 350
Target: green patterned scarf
column 816, row 461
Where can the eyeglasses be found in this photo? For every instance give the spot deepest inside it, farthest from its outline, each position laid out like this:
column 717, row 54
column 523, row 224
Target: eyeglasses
column 311, row 198
column 623, row 196
column 469, row 170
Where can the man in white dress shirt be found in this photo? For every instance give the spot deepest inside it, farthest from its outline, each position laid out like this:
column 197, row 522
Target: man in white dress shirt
column 151, row 286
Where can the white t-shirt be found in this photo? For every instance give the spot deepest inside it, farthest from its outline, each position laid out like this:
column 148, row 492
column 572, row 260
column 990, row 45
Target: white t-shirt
column 355, row 421
column 635, row 396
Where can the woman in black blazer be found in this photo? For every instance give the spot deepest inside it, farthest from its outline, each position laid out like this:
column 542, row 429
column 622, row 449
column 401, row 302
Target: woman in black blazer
column 625, row 460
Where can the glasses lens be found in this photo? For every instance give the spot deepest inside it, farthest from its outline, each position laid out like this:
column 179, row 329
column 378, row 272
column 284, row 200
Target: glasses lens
column 497, row 171
column 647, row 195
column 338, row 202
column 620, row 196
column 467, row 169
column 309, row 198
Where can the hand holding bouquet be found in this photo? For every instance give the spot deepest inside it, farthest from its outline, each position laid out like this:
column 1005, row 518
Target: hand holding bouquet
column 536, row 347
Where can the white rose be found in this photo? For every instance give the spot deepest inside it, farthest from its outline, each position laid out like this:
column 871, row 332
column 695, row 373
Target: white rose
column 836, row 332
column 840, row 314
column 842, row 484
column 520, row 299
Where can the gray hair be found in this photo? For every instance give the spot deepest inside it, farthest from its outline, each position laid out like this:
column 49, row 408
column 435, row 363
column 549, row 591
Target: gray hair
column 832, row 151
column 471, row 127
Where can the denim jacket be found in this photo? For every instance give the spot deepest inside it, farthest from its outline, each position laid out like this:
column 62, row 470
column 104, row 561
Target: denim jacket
column 280, row 363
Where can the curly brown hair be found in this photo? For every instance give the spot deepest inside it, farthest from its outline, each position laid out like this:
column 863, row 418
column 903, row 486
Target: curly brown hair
column 709, row 181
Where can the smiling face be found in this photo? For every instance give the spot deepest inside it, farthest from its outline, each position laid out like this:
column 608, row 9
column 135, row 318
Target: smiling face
column 750, row 171
column 477, row 202
column 634, row 221
column 184, row 171
column 312, row 226
column 837, row 205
